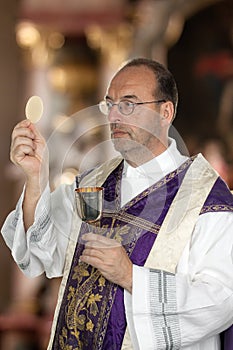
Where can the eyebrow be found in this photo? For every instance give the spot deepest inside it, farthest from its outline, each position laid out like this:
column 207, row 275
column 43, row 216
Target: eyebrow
column 123, row 97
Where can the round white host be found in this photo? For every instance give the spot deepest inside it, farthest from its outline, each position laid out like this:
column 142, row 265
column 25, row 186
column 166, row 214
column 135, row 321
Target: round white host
column 34, row 109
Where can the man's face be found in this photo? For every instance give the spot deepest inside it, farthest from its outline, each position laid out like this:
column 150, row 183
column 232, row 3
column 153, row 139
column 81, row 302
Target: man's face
column 140, row 131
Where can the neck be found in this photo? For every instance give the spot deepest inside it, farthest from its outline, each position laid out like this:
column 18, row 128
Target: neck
column 139, row 157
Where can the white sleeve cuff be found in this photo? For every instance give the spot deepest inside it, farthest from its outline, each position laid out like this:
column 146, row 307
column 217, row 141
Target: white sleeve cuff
column 137, row 310
column 21, row 238
column 153, row 313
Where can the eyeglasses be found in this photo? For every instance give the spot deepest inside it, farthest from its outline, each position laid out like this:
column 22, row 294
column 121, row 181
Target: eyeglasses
column 124, row 107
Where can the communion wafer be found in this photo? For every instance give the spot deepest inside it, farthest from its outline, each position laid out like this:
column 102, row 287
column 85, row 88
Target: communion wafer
column 34, row 109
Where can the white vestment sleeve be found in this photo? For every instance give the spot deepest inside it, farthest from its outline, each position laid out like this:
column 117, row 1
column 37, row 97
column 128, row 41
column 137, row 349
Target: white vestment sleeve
column 190, row 308
column 42, row 248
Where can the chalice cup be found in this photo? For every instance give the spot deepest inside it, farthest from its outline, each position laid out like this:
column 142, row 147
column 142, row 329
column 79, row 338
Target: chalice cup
column 89, row 203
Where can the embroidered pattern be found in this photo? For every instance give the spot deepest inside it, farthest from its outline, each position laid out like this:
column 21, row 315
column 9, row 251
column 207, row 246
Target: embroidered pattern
column 91, row 303
column 15, row 220
column 160, row 183
column 88, row 300
column 216, row 208
column 163, row 310
column 90, row 296
column 83, row 305
column 136, row 220
column 16, row 216
column 24, row 266
column 37, row 232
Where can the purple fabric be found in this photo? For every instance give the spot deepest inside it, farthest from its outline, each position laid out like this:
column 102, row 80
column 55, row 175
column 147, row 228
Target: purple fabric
column 138, row 222
column 219, row 199
column 227, row 339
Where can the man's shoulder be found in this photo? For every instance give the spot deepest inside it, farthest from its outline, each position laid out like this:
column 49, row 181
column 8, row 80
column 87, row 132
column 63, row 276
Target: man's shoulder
column 220, row 198
column 98, row 173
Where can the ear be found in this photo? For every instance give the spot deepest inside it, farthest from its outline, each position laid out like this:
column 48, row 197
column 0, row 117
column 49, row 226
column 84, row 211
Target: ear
column 167, row 111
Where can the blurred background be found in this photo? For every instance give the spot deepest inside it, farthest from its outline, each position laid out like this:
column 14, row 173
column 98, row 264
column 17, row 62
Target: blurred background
column 66, row 52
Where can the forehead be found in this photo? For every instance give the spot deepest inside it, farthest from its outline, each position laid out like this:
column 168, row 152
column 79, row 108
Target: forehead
column 133, row 81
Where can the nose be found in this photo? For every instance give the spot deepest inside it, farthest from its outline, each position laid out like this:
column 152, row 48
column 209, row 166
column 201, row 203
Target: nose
column 114, row 115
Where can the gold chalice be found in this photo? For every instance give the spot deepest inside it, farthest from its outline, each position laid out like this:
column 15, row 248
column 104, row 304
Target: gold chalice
column 89, row 203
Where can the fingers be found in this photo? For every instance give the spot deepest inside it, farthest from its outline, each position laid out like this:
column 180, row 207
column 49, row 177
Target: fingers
column 27, row 129
column 25, row 139
column 23, row 129
column 99, row 241
column 110, row 258
column 25, row 142
column 99, row 247
column 22, row 142
column 29, row 152
column 19, row 152
column 93, row 253
column 103, row 259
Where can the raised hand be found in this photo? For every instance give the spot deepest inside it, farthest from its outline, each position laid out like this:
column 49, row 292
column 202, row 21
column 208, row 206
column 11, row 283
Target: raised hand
column 29, row 152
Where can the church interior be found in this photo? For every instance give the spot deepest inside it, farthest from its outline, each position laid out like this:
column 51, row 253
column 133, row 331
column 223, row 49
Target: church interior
column 66, row 52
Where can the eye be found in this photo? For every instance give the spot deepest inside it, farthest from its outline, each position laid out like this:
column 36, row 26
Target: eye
column 109, row 104
column 105, row 107
column 126, row 107
column 128, row 104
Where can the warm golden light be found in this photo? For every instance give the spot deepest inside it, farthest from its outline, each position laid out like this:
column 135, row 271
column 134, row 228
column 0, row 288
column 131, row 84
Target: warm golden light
column 27, row 35
column 58, row 78
column 67, row 177
column 56, row 40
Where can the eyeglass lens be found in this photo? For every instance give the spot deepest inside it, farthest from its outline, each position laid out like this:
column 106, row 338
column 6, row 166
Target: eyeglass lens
column 124, row 107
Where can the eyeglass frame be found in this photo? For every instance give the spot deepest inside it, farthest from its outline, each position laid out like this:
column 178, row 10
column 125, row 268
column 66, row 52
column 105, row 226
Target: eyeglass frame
column 134, row 104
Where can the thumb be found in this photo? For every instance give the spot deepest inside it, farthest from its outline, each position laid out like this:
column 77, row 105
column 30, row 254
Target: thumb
column 35, row 130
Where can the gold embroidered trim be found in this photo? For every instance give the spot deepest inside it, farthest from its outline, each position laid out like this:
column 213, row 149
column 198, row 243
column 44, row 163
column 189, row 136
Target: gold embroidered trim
column 216, row 208
column 90, row 299
column 135, row 220
column 159, row 184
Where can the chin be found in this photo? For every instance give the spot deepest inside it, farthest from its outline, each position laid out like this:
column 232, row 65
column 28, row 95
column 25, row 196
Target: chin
column 122, row 145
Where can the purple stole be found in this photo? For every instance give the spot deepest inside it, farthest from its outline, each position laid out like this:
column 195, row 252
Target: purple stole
column 227, row 339
column 92, row 315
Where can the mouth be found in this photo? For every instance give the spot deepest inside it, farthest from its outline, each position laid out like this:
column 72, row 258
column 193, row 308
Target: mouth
column 118, row 133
